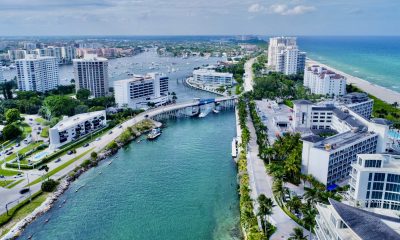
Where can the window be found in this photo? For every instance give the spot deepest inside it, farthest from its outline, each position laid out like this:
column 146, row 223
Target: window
column 376, row 195
column 379, row 177
column 373, row 163
column 377, row 186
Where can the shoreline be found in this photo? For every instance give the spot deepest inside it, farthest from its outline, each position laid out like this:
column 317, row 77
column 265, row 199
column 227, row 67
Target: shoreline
column 385, row 94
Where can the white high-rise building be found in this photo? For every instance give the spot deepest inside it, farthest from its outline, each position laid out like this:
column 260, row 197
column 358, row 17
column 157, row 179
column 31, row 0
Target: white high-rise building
column 375, row 181
column 284, row 55
column 329, row 159
column 16, row 54
column 69, row 53
column 138, row 91
column 37, row 73
column 2, row 79
column 323, row 81
column 91, row 72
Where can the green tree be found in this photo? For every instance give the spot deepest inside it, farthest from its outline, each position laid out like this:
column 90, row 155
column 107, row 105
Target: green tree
column 277, row 188
column 294, row 204
column 49, row 185
column 93, row 155
column 264, row 210
column 13, row 115
column 83, row 94
column 56, row 106
column 297, row 234
column 81, row 109
column 96, row 108
column 11, row 131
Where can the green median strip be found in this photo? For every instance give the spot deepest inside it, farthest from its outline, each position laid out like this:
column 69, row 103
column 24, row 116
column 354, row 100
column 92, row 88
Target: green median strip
column 14, row 184
column 4, row 183
column 8, row 173
column 59, row 168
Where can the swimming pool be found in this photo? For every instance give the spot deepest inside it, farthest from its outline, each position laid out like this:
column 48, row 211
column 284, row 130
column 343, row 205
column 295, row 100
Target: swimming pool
column 40, row 155
column 394, row 134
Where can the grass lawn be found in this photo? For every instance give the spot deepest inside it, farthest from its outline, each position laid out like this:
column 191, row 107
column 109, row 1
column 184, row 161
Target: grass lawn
column 14, row 184
column 24, row 150
column 6, row 172
column 20, row 211
column 26, row 129
column 45, row 132
column 4, row 183
column 59, row 168
column 42, row 121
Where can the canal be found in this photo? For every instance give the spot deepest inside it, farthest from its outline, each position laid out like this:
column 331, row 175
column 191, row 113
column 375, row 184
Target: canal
column 181, row 186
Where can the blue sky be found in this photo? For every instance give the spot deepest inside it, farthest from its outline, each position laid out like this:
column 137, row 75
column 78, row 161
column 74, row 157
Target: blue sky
column 199, row 17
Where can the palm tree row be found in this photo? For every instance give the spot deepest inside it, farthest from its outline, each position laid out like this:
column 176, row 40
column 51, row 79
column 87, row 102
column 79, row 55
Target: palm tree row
column 265, row 206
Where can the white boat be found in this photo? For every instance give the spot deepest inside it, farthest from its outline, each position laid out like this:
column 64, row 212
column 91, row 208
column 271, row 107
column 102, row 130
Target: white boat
column 155, row 133
column 215, row 111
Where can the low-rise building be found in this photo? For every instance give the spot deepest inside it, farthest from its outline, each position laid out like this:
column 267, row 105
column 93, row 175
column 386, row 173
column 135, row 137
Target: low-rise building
column 72, row 128
column 211, row 77
column 141, row 90
column 323, row 81
column 344, row 222
column 375, row 181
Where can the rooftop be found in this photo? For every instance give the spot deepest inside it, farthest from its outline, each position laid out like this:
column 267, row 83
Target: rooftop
column 367, row 225
column 203, row 71
column 73, row 120
column 390, row 162
column 90, row 57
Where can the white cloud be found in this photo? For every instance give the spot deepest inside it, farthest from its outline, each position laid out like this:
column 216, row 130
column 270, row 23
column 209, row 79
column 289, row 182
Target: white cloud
column 254, row 8
column 298, row 10
column 282, row 9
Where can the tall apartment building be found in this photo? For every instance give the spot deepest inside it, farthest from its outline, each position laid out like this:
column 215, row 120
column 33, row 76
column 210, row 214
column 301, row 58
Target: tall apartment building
column 35, row 73
column 91, row 72
column 16, row 54
column 69, row 53
column 375, row 182
column 284, row 55
column 2, row 79
column 138, row 91
column 329, row 159
column 359, row 103
column 339, row 221
column 211, row 77
column 323, row 81
column 64, row 55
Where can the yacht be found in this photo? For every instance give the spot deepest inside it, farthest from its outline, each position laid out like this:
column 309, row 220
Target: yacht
column 155, row 133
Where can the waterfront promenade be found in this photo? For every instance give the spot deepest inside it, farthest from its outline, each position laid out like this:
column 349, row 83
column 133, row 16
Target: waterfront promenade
column 11, row 196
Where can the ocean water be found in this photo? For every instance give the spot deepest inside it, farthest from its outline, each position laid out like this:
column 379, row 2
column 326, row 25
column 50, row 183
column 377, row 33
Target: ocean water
column 181, row 186
column 375, row 59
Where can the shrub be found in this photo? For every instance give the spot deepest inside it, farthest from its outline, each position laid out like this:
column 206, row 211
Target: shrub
column 49, row 185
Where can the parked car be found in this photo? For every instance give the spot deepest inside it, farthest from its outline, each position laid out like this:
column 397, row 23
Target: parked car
column 1, row 176
column 42, row 167
column 110, row 132
column 9, row 153
column 30, row 119
column 98, row 139
column 58, row 160
column 86, row 144
column 120, row 126
column 70, row 152
column 24, row 190
column 18, row 144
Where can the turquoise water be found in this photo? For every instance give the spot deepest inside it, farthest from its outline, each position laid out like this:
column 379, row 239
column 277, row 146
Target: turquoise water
column 375, row 59
column 181, row 186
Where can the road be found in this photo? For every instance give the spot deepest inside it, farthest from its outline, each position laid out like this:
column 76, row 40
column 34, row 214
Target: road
column 11, row 195
column 248, row 78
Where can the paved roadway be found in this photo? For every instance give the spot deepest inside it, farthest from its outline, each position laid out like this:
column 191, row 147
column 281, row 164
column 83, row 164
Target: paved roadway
column 9, row 195
column 260, row 181
column 248, row 79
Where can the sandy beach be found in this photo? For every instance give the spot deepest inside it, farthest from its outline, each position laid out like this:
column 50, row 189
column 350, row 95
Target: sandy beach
column 382, row 93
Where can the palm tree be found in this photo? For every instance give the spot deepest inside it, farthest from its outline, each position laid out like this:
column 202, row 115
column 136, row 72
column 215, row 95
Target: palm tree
column 297, row 234
column 294, row 204
column 277, row 188
column 264, row 209
column 309, row 213
column 312, row 195
column 292, row 166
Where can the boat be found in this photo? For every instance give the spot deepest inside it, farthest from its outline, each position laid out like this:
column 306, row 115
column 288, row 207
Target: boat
column 155, row 132
column 215, row 111
column 203, row 114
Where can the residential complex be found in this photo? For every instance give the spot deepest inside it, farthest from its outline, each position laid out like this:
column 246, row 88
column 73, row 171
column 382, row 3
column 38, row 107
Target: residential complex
column 72, row 128
column 323, row 81
column 16, row 54
column 359, row 103
column 91, row 72
column 284, row 56
column 35, row 73
column 141, row 90
column 329, row 159
column 344, row 222
column 375, row 181
column 211, row 77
